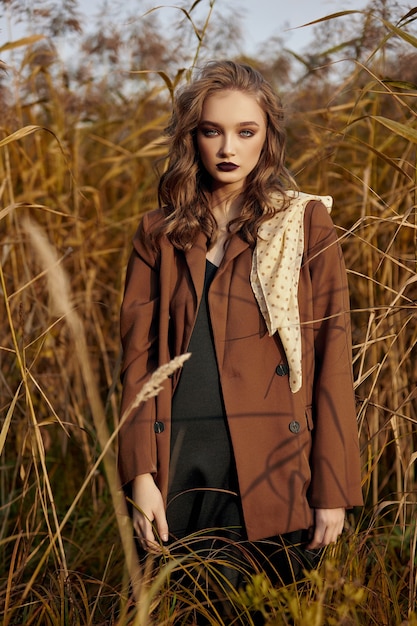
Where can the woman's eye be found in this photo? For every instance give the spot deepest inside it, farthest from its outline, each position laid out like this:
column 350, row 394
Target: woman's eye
column 210, row 132
column 247, row 133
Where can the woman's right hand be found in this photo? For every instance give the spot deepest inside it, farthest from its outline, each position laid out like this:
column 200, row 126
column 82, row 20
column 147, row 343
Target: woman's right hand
column 150, row 508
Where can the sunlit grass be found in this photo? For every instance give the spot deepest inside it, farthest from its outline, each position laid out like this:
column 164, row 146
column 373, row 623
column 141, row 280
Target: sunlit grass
column 76, row 172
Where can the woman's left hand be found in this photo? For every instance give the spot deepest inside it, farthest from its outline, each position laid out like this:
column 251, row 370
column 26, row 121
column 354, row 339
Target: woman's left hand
column 328, row 526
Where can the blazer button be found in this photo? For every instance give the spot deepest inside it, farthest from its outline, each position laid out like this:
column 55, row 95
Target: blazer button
column 294, row 427
column 159, row 427
column 282, row 369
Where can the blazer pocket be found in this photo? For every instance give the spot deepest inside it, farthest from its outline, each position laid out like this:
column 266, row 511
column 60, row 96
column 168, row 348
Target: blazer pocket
column 309, row 417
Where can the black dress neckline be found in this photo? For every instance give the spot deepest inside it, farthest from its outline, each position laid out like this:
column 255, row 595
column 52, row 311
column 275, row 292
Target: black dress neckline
column 212, row 264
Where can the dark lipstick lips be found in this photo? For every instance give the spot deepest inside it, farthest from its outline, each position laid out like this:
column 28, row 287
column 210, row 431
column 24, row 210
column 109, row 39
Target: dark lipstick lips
column 226, row 167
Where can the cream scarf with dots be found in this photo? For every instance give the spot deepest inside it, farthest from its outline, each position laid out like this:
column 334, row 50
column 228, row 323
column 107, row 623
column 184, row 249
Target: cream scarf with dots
column 275, row 274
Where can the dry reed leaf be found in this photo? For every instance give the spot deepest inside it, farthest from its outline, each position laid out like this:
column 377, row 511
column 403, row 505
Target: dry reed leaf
column 25, row 205
column 59, row 289
column 24, row 41
column 8, row 418
column 19, row 134
column 58, row 283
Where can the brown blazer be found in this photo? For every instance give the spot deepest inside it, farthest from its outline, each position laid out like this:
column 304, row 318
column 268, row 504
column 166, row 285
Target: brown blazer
column 294, row 452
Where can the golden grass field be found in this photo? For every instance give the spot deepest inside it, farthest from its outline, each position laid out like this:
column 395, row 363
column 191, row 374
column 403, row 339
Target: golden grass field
column 77, row 155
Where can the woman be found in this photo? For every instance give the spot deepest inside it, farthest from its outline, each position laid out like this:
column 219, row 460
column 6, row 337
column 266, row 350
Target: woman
column 249, row 278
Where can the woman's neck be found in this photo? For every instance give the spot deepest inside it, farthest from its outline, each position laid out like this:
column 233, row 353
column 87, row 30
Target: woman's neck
column 224, row 209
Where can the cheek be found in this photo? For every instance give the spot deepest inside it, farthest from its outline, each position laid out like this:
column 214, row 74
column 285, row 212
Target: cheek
column 259, row 148
column 200, row 145
column 256, row 152
column 204, row 151
column 202, row 155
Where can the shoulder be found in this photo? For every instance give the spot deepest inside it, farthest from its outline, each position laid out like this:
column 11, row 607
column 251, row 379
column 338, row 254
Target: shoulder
column 318, row 212
column 146, row 242
column 316, row 208
column 318, row 224
column 298, row 205
column 149, row 226
column 150, row 221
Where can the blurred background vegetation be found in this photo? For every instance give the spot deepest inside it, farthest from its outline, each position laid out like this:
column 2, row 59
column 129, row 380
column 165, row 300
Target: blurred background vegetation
column 82, row 117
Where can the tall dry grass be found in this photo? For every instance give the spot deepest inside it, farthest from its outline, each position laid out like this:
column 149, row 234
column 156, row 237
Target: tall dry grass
column 76, row 171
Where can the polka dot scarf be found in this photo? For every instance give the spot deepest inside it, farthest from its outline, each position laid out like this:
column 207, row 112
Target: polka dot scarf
column 275, row 275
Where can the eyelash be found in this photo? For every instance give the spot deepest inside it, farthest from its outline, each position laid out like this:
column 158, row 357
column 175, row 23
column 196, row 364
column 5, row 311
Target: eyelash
column 212, row 132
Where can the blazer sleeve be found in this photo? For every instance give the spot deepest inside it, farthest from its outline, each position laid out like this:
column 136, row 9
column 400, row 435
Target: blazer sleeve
column 139, row 335
column 335, row 458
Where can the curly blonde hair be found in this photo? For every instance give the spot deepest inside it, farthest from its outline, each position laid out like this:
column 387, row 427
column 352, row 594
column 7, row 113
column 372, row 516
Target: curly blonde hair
column 184, row 188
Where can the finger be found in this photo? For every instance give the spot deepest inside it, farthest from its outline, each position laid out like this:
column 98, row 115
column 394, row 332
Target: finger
column 318, row 533
column 334, row 530
column 317, row 540
column 149, row 544
column 161, row 524
column 155, row 532
column 324, row 535
column 144, row 531
column 320, row 536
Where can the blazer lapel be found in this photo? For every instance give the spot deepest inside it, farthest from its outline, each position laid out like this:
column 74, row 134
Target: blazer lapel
column 196, row 261
column 235, row 247
column 220, row 293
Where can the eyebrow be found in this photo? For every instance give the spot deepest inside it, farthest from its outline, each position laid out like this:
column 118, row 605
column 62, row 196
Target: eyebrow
column 209, row 123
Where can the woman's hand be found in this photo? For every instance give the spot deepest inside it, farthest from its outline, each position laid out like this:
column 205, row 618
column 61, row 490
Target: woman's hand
column 148, row 499
column 328, row 526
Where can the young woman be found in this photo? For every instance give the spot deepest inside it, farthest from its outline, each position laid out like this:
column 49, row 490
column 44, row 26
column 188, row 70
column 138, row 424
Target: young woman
column 257, row 433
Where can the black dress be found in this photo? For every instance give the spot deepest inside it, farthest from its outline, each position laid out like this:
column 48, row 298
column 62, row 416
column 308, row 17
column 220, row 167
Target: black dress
column 203, row 488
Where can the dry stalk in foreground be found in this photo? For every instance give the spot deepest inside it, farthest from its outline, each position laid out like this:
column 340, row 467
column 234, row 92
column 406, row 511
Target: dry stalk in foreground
column 60, row 294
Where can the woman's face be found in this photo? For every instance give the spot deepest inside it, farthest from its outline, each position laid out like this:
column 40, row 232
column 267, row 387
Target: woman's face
column 230, row 138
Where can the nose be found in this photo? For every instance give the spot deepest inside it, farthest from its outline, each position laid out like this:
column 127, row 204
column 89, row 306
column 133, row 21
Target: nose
column 227, row 147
